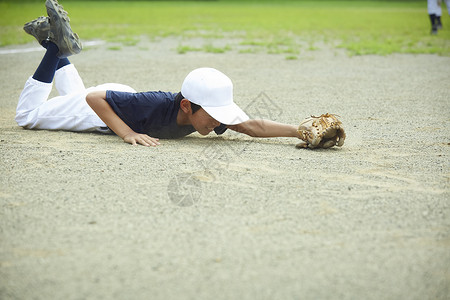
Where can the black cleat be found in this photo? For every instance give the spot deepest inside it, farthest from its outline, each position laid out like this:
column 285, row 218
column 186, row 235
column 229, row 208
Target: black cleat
column 38, row 28
column 60, row 33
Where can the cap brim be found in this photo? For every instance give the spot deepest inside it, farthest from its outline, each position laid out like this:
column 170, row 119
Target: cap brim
column 228, row 115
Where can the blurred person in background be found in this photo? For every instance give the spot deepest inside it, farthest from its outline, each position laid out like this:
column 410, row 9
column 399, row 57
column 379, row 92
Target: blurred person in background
column 435, row 13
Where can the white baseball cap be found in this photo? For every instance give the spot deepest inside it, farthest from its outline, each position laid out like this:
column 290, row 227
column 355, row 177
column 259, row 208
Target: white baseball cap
column 213, row 91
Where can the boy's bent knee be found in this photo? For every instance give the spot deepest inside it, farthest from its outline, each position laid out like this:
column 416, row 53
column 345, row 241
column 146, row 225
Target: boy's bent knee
column 21, row 119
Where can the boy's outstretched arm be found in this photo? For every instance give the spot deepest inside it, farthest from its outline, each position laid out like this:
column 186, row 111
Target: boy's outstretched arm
column 265, row 128
column 97, row 101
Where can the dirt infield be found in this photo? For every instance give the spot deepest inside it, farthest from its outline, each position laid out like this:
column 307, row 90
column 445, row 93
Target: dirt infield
column 86, row 216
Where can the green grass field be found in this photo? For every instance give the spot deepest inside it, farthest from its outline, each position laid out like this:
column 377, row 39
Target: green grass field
column 362, row 27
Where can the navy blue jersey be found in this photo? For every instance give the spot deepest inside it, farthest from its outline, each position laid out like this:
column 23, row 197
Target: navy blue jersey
column 152, row 113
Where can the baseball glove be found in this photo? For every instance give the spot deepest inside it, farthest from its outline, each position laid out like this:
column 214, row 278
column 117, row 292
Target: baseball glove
column 324, row 131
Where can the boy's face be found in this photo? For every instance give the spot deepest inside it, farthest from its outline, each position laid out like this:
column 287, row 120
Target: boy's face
column 203, row 122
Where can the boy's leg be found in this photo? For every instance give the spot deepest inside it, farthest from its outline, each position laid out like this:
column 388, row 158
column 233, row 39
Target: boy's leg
column 67, row 79
column 65, row 112
column 69, row 112
column 38, row 87
column 45, row 72
column 33, row 95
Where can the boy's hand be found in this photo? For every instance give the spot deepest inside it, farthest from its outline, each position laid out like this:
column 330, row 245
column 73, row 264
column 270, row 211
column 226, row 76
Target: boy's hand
column 139, row 138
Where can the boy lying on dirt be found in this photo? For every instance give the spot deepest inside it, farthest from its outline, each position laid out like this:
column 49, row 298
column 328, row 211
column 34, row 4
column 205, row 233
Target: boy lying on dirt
column 204, row 104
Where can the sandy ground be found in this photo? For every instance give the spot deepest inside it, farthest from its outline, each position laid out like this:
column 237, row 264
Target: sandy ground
column 86, row 216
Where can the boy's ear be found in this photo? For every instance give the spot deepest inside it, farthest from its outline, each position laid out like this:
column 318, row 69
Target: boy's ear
column 185, row 106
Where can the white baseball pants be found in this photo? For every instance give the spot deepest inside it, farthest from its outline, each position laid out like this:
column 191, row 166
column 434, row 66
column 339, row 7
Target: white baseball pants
column 434, row 7
column 68, row 111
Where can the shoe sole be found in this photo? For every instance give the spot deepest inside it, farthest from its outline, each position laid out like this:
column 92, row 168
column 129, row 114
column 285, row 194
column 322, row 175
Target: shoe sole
column 38, row 28
column 61, row 33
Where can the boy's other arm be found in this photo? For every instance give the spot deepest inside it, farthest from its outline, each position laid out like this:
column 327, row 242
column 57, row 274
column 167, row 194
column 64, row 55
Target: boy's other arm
column 265, row 128
column 97, row 101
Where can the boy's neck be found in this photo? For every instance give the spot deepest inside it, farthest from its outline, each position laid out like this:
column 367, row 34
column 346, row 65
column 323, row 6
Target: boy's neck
column 182, row 118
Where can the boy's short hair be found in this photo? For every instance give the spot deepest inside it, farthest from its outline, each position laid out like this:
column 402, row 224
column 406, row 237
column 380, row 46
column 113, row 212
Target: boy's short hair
column 194, row 107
